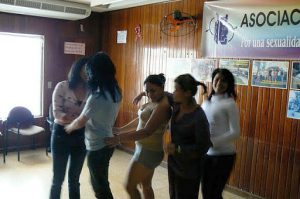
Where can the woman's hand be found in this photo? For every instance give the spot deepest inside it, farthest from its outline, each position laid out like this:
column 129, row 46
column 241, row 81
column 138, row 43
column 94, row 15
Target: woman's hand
column 138, row 98
column 112, row 141
column 69, row 128
column 116, row 130
column 170, row 148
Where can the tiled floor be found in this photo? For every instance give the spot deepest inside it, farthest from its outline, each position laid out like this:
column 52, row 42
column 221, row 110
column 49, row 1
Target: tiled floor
column 31, row 178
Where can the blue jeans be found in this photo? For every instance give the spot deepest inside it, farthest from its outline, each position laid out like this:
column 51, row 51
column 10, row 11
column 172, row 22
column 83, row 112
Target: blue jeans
column 66, row 147
column 98, row 163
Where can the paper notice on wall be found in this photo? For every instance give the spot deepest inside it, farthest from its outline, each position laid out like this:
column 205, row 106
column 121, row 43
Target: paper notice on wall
column 121, row 36
column 74, row 48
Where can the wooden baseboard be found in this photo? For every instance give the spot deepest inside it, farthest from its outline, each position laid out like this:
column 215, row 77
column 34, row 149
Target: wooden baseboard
column 241, row 192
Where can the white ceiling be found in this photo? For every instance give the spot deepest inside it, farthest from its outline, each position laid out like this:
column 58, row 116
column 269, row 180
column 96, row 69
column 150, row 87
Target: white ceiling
column 97, row 6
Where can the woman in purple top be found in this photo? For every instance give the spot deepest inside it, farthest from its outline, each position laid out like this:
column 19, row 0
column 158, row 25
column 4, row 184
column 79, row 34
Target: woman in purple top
column 190, row 140
column 68, row 100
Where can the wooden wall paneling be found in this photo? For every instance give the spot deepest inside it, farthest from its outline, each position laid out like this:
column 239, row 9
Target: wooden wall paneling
column 255, row 166
column 183, row 40
column 152, row 42
column 146, row 41
column 156, row 54
column 118, row 53
column 171, row 40
column 293, row 126
column 138, row 57
column 243, row 139
column 161, row 46
column 286, row 130
column 242, row 94
column 250, row 139
column 269, row 111
column 275, row 139
column 130, row 64
column 295, row 189
column 294, row 165
column 143, row 55
column 272, row 152
column 240, row 145
column 284, row 137
column 264, row 117
column 263, row 143
column 199, row 11
column 233, row 178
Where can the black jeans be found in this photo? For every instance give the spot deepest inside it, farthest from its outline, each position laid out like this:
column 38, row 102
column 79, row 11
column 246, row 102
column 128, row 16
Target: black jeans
column 65, row 147
column 98, row 163
column 182, row 188
column 216, row 172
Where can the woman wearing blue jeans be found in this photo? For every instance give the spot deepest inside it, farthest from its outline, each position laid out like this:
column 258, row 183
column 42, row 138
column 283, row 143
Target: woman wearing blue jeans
column 69, row 98
column 98, row 117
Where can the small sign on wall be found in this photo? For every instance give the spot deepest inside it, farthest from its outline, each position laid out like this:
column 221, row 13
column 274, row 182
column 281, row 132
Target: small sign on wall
column 74, row 48
column 121, row 36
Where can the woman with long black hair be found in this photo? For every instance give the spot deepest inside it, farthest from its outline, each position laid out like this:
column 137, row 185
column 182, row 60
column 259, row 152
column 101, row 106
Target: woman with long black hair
column 98, row 117
column 224, row 121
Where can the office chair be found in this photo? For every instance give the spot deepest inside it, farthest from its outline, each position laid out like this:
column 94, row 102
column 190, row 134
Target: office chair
column 21, row 122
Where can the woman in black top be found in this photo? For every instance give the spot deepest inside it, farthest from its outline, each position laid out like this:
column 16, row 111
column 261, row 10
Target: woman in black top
column 190, row 140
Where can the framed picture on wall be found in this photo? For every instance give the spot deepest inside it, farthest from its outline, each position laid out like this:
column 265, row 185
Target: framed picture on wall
column 239, row 69
column 202, row 69
column 295, row 84
column 273, row 74
column 294, row 105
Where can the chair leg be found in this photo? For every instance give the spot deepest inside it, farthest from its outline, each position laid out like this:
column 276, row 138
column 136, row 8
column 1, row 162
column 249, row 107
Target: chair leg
column 4, row 148
column 46, row 145
column 6, row 142
column 18, row 147
column 33, row 142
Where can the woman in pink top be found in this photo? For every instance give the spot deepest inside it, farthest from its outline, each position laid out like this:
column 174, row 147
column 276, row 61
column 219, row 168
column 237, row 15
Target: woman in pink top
column 69, row 98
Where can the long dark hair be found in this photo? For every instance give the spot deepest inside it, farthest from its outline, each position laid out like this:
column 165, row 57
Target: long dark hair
column 101, row 75
column 158, row 80
column 228, row 78
column 188, row 83
column 74, row 78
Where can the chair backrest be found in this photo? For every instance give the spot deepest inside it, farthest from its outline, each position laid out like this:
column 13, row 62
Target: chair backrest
column 50, row 118
column 20, row 117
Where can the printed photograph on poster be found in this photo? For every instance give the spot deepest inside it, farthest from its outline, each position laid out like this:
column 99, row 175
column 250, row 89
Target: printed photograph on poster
column 176, row 67
column 294, row 105
column 273, row 74
column 202, row 69
column 295, row 84
column 239, row 69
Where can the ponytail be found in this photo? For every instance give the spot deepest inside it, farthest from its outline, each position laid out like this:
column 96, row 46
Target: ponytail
column 203, row 86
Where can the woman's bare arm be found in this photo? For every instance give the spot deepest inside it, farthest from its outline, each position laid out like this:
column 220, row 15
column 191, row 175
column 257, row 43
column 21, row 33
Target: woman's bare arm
column 159, row 116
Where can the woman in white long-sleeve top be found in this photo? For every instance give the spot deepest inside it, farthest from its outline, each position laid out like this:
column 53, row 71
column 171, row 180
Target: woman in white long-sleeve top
column 223, row 117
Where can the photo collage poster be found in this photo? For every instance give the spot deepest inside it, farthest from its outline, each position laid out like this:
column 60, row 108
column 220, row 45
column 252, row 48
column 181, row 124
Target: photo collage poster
column 239, row 69
column 202, row 69
column 272, row 74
